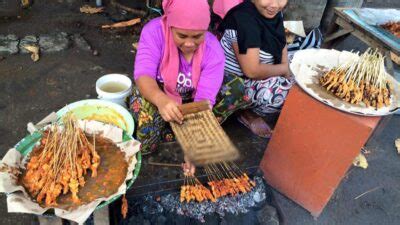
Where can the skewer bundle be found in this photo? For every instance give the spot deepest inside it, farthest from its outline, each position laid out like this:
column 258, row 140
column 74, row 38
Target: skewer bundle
column 63, row 157
column 227, row 179
column 194, row 190
column 393, row 27
column 223, row 179
column 360, row 80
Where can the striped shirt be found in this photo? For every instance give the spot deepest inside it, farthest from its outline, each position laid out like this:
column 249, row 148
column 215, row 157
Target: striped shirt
column 231, row 62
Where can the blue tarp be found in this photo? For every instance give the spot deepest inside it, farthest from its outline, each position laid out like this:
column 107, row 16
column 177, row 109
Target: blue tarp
column 385, row 36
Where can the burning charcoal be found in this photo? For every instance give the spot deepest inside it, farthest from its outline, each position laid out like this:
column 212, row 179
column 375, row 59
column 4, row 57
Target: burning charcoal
column 228, row 204
column 179, row 211
column 221, row 208
column 151, row 206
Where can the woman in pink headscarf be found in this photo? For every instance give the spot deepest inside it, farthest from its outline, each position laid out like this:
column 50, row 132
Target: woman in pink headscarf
column 221, row 7
column 177, row 61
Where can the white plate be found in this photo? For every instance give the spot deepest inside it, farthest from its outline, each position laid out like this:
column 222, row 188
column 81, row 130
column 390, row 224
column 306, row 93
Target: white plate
column 303, row 68
column 103, row 111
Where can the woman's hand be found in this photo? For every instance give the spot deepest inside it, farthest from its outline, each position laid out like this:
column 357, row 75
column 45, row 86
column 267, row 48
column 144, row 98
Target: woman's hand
column 169, row 110
column 167, row 107
column 188, row 167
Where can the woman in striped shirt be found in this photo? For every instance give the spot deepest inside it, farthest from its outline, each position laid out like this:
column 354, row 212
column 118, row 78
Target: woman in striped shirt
column 256, row 68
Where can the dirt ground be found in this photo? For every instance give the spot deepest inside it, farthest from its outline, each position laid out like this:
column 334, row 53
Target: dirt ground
column 31, row 90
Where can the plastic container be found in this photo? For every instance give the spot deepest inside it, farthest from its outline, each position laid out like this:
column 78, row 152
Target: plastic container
column 114, row 88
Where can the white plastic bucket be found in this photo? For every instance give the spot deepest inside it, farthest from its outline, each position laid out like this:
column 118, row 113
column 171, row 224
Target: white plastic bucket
column 114, row 88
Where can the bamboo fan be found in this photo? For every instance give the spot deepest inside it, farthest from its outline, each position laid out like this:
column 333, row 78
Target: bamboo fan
column 201, row 137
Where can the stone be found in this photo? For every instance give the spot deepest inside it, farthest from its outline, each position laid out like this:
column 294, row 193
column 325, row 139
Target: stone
column 27, row 40
column 8, row 44
column 81, row 43
column 54, row 42
column 9, row 8
column 97, row 68
column 258, row 197
column 160, row 219
column 268, row 215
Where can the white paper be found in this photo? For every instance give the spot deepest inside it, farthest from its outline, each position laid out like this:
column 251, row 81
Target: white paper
column 8, row 181
column 296, row 27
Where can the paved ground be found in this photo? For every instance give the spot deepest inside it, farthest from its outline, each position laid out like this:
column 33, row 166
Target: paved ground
column 29, row 91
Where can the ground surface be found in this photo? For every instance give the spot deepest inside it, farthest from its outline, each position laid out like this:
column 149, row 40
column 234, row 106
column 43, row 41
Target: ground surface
column 29, row 91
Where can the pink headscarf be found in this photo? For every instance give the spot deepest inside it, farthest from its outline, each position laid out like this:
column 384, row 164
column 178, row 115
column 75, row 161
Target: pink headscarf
column 221, row 7
column 183, row 14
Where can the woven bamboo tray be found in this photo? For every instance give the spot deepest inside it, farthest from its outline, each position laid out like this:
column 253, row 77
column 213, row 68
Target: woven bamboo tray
column 201, row 137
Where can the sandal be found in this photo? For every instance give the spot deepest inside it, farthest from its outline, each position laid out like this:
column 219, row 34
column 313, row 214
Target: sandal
column 259, row 127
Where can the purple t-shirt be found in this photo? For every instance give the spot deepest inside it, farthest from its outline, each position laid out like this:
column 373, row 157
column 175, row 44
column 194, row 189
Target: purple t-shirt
column 184, row 84
column 149, row 56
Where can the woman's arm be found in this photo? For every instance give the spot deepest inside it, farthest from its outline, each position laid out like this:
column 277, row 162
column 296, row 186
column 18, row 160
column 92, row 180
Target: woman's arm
column 284, row 55
column 251, row 66
column 147, row 60
column 285, row 60
column 167, row 107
